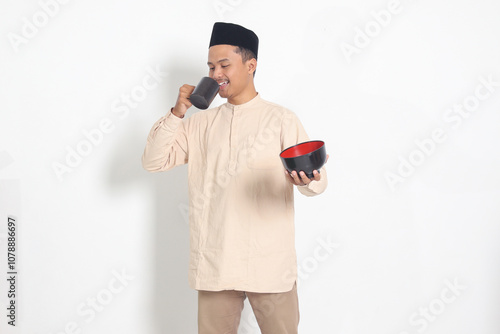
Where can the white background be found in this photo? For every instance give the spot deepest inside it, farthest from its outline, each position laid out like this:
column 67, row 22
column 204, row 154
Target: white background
column 398, row 248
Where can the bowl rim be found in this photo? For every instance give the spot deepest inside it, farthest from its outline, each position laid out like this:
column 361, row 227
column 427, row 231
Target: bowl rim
column 309, row 141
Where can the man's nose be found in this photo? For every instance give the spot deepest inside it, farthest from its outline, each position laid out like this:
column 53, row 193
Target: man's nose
column 217, row 73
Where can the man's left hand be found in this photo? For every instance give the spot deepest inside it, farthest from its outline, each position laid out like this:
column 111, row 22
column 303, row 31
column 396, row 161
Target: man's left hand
column 301, row 178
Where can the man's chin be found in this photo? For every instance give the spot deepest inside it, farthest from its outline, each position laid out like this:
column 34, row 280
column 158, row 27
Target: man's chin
column 223, row 95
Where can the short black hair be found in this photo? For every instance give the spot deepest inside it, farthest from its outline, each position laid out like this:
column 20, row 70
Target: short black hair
column 246, row 55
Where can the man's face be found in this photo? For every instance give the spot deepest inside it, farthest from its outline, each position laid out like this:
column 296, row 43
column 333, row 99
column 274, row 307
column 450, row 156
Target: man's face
column 227, row 68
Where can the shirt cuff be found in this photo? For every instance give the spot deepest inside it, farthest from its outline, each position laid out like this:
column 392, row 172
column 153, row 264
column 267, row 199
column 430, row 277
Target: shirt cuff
column 174, row 115
column 315, row 187
column 171, row 121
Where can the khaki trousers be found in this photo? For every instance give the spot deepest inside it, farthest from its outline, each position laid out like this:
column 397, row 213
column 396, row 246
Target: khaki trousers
column 219, row 312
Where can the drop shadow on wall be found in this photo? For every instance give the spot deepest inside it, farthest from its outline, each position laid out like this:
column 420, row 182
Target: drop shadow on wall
column 174, row 303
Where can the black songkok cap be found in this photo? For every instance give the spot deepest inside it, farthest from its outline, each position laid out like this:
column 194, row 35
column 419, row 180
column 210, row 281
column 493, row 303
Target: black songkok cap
column 233, row 34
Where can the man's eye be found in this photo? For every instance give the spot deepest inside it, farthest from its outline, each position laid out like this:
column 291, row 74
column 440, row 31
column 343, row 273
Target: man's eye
column 224, row 66
column 212, row 68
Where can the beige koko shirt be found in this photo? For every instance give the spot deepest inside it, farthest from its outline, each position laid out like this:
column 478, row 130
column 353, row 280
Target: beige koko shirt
column 241, row 214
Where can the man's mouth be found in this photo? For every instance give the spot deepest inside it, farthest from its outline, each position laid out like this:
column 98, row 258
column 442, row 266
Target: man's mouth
column 223, row 84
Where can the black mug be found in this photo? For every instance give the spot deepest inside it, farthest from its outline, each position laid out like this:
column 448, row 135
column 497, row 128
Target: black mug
column 204, row 93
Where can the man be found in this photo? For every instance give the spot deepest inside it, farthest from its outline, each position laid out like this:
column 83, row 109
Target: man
column 242, row 239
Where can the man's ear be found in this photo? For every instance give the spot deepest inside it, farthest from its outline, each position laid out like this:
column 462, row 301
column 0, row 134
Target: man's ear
column 251, row 65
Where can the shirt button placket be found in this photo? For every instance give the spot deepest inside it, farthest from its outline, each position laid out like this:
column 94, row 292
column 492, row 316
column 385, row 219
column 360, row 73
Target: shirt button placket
column 232, row 143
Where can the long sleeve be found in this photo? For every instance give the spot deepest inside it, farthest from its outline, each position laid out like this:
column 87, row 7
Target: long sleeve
column 292, row 133
column 166, row 145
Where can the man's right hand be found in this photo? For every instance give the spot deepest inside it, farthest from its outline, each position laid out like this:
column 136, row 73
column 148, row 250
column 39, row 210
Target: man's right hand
column 183, row 103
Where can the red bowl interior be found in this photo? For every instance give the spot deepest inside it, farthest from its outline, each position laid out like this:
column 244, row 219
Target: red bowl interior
column 301, row 149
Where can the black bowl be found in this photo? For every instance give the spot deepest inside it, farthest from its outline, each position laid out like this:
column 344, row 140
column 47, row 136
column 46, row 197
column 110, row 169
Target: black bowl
column 306, row 157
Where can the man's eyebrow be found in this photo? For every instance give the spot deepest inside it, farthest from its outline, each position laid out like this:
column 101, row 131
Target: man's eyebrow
column 220, row 61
